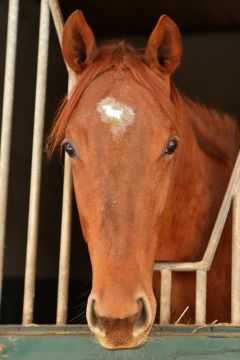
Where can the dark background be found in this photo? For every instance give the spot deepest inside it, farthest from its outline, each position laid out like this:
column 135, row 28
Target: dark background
column 210, row 73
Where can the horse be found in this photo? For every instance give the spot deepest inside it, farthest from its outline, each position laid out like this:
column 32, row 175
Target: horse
column 150, row 168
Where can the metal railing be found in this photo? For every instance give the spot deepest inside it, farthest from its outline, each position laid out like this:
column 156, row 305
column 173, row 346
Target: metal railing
column 201, row 267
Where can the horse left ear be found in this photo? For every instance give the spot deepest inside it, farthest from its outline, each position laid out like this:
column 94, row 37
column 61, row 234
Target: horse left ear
column 78, row 43
column 164, row 48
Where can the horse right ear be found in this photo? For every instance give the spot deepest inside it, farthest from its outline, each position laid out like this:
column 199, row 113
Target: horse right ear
column 164, row 48
column 78, row 43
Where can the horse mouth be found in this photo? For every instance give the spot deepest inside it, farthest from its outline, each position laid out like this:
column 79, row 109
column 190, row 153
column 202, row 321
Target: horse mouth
column 123, row 339
column 122, row 342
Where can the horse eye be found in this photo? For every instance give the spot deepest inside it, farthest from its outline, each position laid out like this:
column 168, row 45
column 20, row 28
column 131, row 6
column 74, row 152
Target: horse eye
column 70, row 150
column 171, row 147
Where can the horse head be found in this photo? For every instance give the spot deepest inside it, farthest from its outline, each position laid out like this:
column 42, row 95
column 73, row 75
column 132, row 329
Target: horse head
column 118, row 127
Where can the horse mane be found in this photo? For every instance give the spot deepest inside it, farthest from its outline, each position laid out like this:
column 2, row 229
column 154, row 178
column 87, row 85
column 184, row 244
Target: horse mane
column 120, row 56
column 218, row 134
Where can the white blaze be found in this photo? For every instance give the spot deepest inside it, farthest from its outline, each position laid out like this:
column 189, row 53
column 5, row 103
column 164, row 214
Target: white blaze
column 118, row 115
column 110, row 112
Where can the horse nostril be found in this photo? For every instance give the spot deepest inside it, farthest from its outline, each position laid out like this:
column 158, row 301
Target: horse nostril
column 93, row 318
column 143, row 317
column 93, row 315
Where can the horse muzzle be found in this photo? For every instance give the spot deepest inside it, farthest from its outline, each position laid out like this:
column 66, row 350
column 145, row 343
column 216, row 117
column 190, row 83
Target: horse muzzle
column 118, row 330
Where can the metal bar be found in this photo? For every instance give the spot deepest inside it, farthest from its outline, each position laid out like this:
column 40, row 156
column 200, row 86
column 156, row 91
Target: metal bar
column 206, row 262
column 235, row 294
column 165, row 301
column 222, row 215
column 65, row 241
column 184, row 266
column 201, row 297
column 7, row 112
column 39, row 113
column 59, row 24
column 57, row 18
column 65, row 245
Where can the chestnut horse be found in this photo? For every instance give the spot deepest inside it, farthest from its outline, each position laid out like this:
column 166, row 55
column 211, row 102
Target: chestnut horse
column 150, row 168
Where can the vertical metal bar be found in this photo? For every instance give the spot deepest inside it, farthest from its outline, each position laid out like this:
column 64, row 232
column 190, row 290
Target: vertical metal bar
column 65, row 245
column 7, row 111
column 165, row 301
column 201, row 296
column 59, row 24
column 235, row 294
column 39, row 113
column 65, row 241
column 57, row 18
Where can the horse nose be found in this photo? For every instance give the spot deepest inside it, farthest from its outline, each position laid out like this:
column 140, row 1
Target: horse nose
column 135, row 323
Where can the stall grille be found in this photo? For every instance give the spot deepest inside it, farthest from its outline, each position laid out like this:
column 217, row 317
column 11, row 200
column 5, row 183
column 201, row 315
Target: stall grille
column 232, row 196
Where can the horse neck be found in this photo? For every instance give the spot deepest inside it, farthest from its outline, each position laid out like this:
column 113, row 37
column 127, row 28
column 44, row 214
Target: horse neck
column 201, row 175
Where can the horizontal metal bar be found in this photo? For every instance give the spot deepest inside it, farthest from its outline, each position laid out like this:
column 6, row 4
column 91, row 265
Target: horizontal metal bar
column 218, row 330
column 177, row 266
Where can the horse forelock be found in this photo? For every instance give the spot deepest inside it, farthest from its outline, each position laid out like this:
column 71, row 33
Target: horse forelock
column 119, row 57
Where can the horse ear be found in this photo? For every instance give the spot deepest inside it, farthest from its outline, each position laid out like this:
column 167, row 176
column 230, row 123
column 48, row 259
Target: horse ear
column 78, row 43
column 164, row 47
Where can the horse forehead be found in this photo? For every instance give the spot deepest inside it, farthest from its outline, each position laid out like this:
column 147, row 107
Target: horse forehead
column 118, row 115
column 117, row 105
column 121, row 87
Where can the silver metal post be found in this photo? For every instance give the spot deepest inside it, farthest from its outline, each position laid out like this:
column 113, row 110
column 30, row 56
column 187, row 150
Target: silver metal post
column 7, row 112
column 201, row 296
column 39, row 114
column 65, row 245
column 165, row 301
column 235, row 294
column 65, row 241
column 57, row 18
